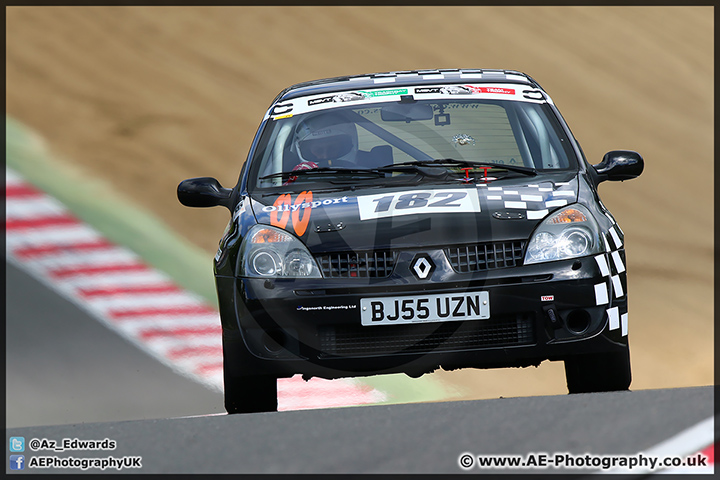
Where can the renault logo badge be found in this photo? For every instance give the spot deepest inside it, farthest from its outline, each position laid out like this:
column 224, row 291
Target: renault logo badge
column 422, row 266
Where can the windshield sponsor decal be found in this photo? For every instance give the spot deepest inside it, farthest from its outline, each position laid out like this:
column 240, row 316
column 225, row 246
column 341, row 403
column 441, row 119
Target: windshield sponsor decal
column 447, row 90
column 357, row 95
column 281, row 109
column 428, row 90
column 533, row 94
column 312, row 103
column 417, row 202
column 296, row 212
column 385, row 93
column 500, row 90
column 340, row 97
column 467, row 89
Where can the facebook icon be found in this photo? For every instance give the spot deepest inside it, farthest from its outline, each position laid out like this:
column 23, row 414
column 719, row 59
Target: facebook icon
column 17, row 462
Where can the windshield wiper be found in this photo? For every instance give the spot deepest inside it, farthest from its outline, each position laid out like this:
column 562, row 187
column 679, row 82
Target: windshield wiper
column 426, row 168
column 324, row 171
column 411, row 167
column 427, row 171
column 451, row 162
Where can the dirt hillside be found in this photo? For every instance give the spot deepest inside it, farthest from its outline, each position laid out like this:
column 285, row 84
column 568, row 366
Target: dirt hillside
column 144, row 97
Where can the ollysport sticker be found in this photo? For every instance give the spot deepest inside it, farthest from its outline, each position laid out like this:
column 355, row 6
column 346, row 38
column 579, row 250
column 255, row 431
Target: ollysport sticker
column 416, row 202
column 289, row 206
column 296, row 213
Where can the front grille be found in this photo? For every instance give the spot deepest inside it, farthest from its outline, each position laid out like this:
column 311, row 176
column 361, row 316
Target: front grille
column 485, row 256
column 358, row 341
column 353, row 264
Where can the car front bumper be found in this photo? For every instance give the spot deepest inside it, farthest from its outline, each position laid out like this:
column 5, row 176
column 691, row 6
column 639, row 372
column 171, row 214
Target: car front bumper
column 549, row 311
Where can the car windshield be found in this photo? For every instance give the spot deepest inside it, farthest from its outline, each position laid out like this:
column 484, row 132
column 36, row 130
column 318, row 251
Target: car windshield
column 408, row 141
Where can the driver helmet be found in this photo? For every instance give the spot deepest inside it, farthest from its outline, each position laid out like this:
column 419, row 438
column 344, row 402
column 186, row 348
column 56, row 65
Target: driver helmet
column 325, row 138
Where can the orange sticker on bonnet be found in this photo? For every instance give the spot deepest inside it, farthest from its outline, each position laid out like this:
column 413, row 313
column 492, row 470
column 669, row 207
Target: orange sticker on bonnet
column 285, row 209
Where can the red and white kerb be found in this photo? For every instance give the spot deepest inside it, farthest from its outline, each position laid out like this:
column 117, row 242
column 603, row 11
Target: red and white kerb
column 137, row 301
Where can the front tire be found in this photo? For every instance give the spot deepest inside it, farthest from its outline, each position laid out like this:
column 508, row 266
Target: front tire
column 250, row 394
column 598, row 372
column 245, row 390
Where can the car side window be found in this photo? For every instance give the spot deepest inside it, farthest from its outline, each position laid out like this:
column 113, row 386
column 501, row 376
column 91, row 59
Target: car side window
column 542, row 139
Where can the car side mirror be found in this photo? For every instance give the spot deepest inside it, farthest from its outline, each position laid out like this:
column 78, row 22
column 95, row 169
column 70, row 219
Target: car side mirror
column 620, row 165
column 204, row 192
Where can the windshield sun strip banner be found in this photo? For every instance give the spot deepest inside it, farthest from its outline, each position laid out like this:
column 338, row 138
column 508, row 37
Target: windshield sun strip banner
column 324, row 101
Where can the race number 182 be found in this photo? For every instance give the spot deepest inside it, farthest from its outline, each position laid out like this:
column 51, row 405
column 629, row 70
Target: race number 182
column 418, row 202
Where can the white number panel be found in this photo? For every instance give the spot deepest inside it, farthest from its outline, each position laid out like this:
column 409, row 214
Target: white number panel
column 416, row 202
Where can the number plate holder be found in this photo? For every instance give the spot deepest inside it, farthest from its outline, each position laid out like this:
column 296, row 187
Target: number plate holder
column 425, row 308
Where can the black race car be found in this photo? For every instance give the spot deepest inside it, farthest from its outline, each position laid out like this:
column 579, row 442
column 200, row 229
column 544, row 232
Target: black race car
column 416, row 220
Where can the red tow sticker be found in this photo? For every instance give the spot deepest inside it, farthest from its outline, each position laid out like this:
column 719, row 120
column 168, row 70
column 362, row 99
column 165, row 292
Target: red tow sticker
column 500, row 90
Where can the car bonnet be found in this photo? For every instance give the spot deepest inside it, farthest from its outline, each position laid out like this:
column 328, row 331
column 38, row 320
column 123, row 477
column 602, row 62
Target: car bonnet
column 415, row 216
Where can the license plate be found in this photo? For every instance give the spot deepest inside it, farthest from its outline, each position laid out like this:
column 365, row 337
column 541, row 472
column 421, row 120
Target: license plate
column 425, row 308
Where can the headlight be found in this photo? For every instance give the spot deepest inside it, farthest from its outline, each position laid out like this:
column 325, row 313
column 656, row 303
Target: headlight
column 272, row 252
column 571, row 232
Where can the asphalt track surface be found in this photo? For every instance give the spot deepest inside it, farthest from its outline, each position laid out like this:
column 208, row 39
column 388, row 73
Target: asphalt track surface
column 63, row 366
column 411, row 438
column 50, row 341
